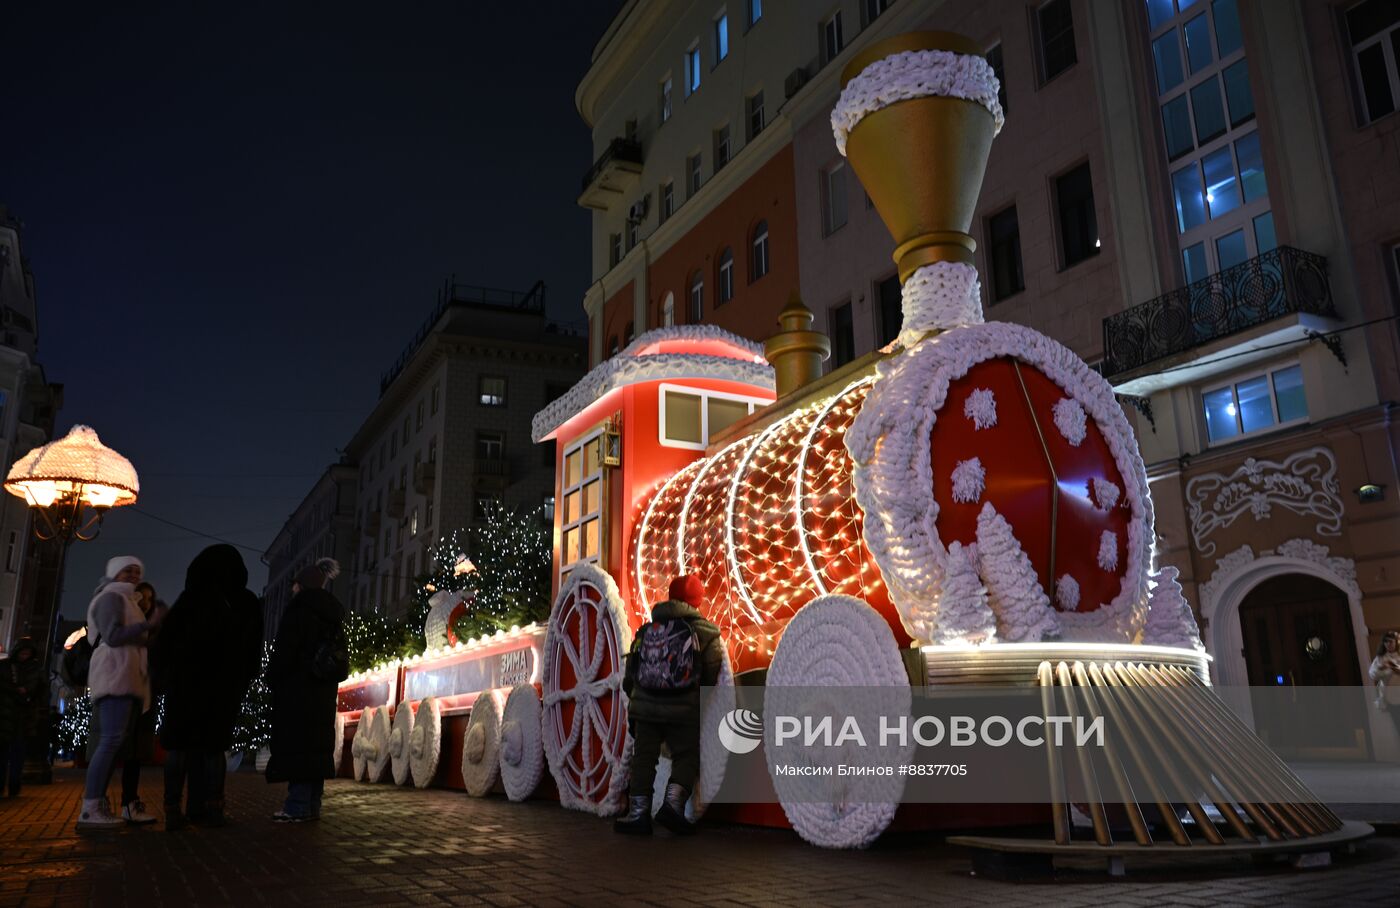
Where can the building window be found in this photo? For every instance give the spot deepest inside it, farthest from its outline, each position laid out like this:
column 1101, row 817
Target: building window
column 613, row 346
column 614, row 249
column 419, row 420
column 999, row 70
column 697, row 298
column 668, row 200
column 1055, row 34
column 834, row 198
column 759, row 252
column 490, row 445
column 692, row 70
column 1004, row 254
column 1374, row 30
column 756, row 124
column 843, row 337
column 668, row 310
column 631, row 333
column 832, row 40
column 432, row 450
column 721, row 36
column 692, row 166
column 721, row 137
column 492, row 391
column 12, row 553
column 1074, row 207
column 873, row 9
column 666, row 99
column 486, row 504
column 690, row 418
column 413, row 524
column 405, row 430
column 433, row 402
column 547, row 509
column 581, row 523
column 755, row 11
column 1255, row 403
column 891, row 311
column 428, row 512
column 632, row 225
column 725, row 277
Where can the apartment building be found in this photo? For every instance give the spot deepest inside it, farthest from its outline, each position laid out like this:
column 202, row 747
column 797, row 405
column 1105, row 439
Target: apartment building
column 322, row 526
column 450, row 435
column 1197, row 196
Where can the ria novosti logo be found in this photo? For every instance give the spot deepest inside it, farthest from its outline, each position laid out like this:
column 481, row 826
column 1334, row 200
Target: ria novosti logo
column 740, row 731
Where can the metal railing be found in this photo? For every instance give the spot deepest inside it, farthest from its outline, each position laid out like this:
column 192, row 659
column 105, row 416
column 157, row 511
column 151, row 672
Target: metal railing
column 1282, row 281
column 618, row 149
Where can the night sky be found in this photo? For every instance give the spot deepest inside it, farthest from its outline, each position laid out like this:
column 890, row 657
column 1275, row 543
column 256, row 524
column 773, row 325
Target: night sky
column 237, row 218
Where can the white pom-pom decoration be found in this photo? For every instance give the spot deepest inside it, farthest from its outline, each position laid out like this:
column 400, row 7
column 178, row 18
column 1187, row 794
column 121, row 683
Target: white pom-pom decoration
column 481, row 745
column 1170, row 621
column 400, row 742
column 963, row 614
column 1070, row 420
column 1104, row 492
column 522, row 752
column 1108, row 551
column 981, row 408
column 968, row 480
column 1014, row 593
column 1067, row 593
column 425, row 744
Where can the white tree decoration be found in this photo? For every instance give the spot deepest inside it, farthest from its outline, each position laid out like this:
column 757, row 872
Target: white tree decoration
column 1170, row 621
column 1013, row 591
column 963, row 613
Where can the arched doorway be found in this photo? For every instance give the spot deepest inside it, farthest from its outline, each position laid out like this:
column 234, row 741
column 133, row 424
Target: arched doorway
column 1297, row 634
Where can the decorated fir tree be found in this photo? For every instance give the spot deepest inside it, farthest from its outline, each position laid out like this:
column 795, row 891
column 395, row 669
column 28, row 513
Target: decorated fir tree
column 963, row 613
column 1170, row 621
column 1014, row 593
column 254, row 728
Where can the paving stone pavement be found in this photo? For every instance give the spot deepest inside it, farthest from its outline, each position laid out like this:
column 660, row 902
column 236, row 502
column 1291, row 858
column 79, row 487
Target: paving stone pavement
column 381, row 845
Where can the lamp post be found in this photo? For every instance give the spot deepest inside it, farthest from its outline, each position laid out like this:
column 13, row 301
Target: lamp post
column 69, row 485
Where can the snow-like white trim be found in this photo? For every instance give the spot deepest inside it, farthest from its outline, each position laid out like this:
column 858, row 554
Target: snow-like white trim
column 893, row 475
column 592, row 680
column 1104, row 493
column 339, row 747
column 692, row 334
column 981, row 408
column 1070, row 420
column 938, row 297
column 425, row 744
column 1108, row 550
column 969, row 478
column 401, row 743
column 1067, row 593
column 522, row 752
column 836, row 641
column 915, row 74
column 481, row 745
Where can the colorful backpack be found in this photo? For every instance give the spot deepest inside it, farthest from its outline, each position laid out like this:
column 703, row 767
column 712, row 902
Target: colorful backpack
column 666, row 652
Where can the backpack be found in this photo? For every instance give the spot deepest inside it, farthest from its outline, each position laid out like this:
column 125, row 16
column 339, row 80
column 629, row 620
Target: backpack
column 666, row 656
column 77, row 659
column 331, row 661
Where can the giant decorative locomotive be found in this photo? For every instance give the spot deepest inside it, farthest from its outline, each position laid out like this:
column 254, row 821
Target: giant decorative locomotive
column 968, row 505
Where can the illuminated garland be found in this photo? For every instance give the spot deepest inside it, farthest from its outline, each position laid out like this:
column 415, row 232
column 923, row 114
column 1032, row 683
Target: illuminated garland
column 254, row 728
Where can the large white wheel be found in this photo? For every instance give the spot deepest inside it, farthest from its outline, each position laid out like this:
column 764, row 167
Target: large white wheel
column 837, row 642
column 522, row 753
column 584, row 721
column 400, row 736
column 379, row 740
column 715, row 704
column 425, row 742
column 339, row 747
column 481, row 747
column 362, row 744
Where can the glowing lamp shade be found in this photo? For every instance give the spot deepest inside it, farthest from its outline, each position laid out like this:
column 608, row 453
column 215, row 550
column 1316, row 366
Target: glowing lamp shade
column 76, row 465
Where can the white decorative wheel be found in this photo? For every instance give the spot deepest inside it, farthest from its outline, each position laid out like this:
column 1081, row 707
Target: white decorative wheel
column 481, row 746
column 522, row 753
column 425, row 742
column 339, row 746
column 378, row 760
column 584, row 723
column 362, row 747
column 715, row 705
column 260, row 762
column 400, row 736
column 837, row 642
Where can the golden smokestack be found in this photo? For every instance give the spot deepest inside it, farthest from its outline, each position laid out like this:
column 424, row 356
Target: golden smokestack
column 796, row 352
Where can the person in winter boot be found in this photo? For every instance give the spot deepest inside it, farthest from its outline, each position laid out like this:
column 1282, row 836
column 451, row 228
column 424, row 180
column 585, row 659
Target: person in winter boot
column 118, row 680
column 302, row 671
column 207, row 654
column 21, row 690
column 672, row 657
column 140, row 746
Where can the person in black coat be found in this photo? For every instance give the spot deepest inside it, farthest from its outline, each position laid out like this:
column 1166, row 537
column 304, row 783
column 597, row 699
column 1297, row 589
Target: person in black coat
column 207, row 654
column 304, row 693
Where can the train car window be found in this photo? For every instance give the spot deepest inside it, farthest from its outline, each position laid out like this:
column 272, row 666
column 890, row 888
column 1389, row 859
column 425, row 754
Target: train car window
column 683, row 418
column 724, row 413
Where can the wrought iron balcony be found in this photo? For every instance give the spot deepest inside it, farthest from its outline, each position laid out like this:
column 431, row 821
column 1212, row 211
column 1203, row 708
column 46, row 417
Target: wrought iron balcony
column 1282, row 281
column 617, row 170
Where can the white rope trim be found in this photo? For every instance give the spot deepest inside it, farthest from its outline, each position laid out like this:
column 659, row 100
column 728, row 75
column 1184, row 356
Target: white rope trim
column 425, row 745
column 938, row 297
column 522, row 752
column 481, row 746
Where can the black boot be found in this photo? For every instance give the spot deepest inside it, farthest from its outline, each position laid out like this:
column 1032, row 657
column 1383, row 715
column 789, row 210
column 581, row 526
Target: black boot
column 638, row 818
column 672, row 812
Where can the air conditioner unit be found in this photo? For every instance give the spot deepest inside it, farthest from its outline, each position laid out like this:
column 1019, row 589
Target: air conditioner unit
column 637, row 211
column 794, row 82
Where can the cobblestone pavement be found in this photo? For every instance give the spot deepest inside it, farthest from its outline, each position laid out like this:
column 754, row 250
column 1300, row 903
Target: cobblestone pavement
column 382, row 845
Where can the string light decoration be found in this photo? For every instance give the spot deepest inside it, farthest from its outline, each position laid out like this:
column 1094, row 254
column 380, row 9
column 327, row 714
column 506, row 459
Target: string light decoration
column 74, row 725
column 254, row 729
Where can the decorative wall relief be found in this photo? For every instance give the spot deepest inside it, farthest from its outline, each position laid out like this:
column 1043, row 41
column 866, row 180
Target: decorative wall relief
column 1305, row 483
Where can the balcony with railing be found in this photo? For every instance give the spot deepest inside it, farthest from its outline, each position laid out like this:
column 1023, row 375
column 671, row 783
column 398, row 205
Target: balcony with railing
column 617, row 170
column 1286, row 286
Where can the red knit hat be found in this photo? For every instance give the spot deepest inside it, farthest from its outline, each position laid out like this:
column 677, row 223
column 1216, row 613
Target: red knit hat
column 688, row 589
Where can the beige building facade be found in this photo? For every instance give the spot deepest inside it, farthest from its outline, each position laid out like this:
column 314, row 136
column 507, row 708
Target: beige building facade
column 322, row 526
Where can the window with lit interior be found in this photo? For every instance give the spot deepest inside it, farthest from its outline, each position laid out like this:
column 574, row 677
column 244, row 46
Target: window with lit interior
column 1254, row 403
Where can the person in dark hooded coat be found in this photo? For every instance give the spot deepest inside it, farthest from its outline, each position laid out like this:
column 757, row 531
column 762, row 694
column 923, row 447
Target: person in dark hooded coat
column 303, row 696
column 207, row 654
column 22, row 694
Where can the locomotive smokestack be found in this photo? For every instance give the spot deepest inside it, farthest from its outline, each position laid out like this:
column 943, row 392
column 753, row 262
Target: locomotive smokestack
column 796, row 352
column 916, row 117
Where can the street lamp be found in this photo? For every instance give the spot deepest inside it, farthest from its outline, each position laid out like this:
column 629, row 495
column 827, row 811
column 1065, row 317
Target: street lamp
column 70, row 484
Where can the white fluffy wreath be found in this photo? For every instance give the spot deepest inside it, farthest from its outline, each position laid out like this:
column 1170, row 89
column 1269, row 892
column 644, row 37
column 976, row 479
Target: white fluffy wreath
column 837, row 641
column 522, row 753
column 425, row 744
column 400, row 736
column 481, row 746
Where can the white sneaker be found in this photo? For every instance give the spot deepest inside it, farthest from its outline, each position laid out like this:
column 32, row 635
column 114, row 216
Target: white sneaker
column 96, row 815
column 135, row 814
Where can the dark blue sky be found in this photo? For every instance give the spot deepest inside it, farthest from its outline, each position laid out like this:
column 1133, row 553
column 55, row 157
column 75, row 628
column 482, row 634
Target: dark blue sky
column 237, row 217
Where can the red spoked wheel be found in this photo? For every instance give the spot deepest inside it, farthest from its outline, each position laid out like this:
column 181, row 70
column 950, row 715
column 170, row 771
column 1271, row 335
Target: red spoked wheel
column 584, row 721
